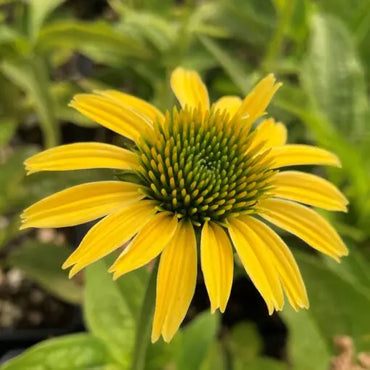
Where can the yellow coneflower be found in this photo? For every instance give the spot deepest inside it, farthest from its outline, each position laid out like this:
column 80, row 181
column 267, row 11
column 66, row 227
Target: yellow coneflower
column 199, row 169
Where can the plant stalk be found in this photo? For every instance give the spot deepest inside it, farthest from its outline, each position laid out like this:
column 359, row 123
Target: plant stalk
column 277, row 40
column 143, row 329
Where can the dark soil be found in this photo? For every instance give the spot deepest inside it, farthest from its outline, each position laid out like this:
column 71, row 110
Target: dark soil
column 29, row 314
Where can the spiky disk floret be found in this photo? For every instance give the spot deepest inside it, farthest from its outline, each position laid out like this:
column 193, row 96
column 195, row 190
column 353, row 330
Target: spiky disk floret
column 200, row 166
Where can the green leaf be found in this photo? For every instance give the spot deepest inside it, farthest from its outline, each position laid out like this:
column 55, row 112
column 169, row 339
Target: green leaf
column 354, row 268
column 339, row 306
column 244, row 343
column 215, row 358
column 42, row 263
column 229, row 63
column 196, row 339
column 250, row 21
column 132, row 287
column 31, row 76
column 9, row 228
column 156, row 30
column 39, row 11
column 11, row 176
column 72, row 352
column 62, row 93
column 266, row 363
column 333, row 76
column 107, row 313
column 8, row 127
column 307, row 346
column 98, row 40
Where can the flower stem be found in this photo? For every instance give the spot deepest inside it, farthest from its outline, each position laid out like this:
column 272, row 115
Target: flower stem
column 142, row 339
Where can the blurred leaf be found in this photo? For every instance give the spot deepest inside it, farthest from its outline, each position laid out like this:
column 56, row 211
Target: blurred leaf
column 229, row 63
column 244, row 342
column 201, row 21
column 38, row 12
column 11, row 176
column 8, row 127
column 162, row 355
column 7, row 34
column 150, row 27
column 251, row 21
column 8, row 229
column 42, row 263
column 107, row 313
column 31, row 76
column 196, row 340
column 333, row 76
column 72, row 352
column 62, row 93
column 268, row 364
column 98, row 40
column 132, row 287
column 307, row 345
column 354, row 268
column 339, row 306
column 215, row 358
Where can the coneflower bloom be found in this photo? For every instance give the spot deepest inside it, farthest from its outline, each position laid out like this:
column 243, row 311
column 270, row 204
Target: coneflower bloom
column 200, row 174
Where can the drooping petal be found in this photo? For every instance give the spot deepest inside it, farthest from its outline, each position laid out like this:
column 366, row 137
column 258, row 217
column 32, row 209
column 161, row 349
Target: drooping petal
column 309, row 189
column 175, row 282
column 229, row 103
column 217, row 264
column 116, row 117
column 81, row 156
column 297, row 154
column 268, row 134
column 110, row 233
column 80, row 204
column 284, row 262
column 256, row 102
column 146, row 109
column 257, row 261
column 189, row 89
column 148, row 244
column 305, row 223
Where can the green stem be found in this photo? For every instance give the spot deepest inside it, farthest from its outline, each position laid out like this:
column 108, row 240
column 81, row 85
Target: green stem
column 143, row 329
column 277, row 40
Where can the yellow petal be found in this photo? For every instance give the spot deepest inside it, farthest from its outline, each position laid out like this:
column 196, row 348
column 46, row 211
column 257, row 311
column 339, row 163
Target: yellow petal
column 309, row 189
column 256, row 102
column 175, row 282
column 257, row 261
column 81, row 156
column 229, row 103
column 297, row 154
column 149, row 111
column 149, row 242
column 80, row 204
column 305, row 223
column 284, row 262
column 268, row 134
column 217, row 264
column 189, row 89
column 112, row 115
column 110, row 233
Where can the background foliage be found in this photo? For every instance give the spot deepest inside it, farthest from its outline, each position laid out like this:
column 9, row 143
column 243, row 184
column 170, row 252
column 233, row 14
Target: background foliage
column 52, row 49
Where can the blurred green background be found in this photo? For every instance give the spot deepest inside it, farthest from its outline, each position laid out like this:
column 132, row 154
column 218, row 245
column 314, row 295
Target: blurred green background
column 52, row 49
